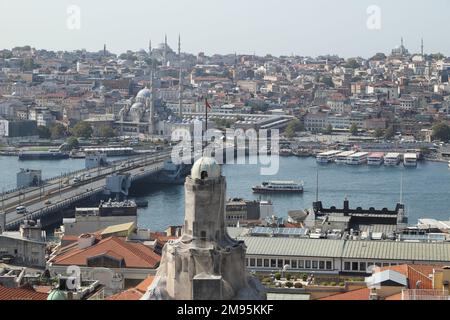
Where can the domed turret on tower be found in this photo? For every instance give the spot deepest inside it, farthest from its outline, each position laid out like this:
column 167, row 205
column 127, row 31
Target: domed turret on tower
column 205, row 168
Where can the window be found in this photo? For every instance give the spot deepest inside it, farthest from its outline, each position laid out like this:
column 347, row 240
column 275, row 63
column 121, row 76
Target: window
column 308, row 264
column 280, row 263
column 322, row 265
column 252, row 262
column 301, row 264
column 354, row 266
column 266, row 263
column 329, row 265
column 362, row 266
column 248, row 262
column 346, row 265
column 259, row 262
column 294, row 264
column 385, row 264
column 315, row 264
column 273, row 263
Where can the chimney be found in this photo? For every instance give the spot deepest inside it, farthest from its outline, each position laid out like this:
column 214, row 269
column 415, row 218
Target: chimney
column 85, row 241
column 346, row 205
column 373, row 295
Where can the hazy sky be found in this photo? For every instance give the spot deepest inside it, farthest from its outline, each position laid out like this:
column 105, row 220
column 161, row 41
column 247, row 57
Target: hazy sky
column 279, row 27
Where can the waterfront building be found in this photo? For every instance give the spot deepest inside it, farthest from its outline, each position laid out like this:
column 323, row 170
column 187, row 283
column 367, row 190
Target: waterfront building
column 26, row 247
column 271, row 254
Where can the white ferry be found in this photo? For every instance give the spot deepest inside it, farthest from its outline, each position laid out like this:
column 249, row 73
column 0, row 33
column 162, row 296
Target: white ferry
column 357, row 158
column 392, row 159
column 327, row 157
column 375, row 158
column 410, row 159
column 279, row 187
column 341, row 158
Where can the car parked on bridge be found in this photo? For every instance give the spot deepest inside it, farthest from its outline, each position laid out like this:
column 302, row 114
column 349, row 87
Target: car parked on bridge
column 47, row 202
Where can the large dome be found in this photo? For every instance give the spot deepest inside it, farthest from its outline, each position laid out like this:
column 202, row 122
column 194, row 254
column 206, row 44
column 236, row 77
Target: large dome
column 205, row 168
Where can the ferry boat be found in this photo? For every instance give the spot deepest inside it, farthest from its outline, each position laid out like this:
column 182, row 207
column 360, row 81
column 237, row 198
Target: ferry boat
column 357, row 158
column 392, row 159
column 410, row 160
column 327, row 157
column 375, row 159
column 342, row 157
column 43, row 155
column 279, row 187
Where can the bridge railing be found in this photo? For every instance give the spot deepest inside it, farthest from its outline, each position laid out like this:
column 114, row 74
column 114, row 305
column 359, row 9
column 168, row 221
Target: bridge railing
column 54, row 207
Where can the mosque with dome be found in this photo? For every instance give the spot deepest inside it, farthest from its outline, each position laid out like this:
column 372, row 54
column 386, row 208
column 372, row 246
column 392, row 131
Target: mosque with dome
column 148, row 116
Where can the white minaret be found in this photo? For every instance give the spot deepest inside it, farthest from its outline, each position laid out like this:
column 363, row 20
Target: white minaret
column 165, row 51
column 151, row 102
column 180, row 81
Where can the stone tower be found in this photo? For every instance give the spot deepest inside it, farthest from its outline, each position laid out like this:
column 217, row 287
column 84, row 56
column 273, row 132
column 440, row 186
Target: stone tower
column 205, row 263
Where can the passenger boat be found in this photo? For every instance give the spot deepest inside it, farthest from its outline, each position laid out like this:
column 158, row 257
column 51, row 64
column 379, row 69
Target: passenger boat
column 357, row 158
column 410, row 160
column 375, row 159
column 341, row 158
column 327, row 157
column 279, row 187
column 392, row 159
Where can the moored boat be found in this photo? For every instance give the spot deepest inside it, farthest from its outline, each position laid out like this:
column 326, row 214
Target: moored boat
column 279, row 187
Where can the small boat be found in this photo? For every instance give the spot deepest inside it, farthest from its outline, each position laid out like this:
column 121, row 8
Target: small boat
column 279, row 187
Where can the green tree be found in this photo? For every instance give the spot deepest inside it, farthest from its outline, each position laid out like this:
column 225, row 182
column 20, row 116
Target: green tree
column 57, row 130
column 106, row 132
column 353, row 129
column 352, row 63
column 289, row 284
column 389, row 133
column 292, row 127
column 328, row 81
column 329, row 129
column 82, row 130
column 441, row 131
column 278, row 276
column 44, row 132
column 378, row 133
column 73, row 143
column 379, row 57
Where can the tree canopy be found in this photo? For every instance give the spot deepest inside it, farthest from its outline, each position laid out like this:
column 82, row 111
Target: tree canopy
column 82, row 130
column 57, row 130
column 106, row 132
column 441, row 131
column 353, row 129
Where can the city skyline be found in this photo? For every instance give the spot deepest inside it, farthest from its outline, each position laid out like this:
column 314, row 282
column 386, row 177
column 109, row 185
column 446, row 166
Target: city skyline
column 290, row 28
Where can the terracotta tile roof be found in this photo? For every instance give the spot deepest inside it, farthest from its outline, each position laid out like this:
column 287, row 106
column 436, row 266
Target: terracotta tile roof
column 397, row 296
column 359, row 294
column 135, row 255
column 143, row 286
column 43, row 289
column 130, row 294
column 21, row 294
